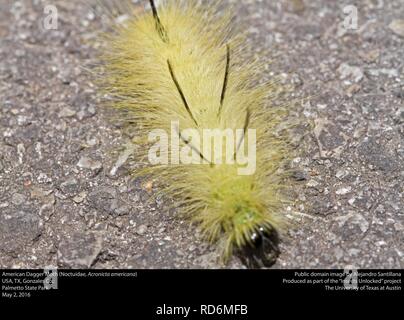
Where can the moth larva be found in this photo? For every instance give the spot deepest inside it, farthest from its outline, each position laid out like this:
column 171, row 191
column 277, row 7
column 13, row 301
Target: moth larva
column 178, row 70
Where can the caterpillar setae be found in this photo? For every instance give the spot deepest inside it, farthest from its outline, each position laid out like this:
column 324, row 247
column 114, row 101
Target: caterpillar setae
column 177, row 72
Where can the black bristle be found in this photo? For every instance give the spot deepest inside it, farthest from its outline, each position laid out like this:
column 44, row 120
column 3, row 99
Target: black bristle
column 246, row 124
column 184, row 100
column 193, row 148
column 226, row 78
column 159, row 26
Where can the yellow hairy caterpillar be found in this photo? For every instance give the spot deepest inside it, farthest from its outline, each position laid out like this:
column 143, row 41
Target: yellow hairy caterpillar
column 205, row 123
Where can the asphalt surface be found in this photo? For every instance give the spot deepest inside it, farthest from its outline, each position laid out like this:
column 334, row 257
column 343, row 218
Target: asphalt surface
column 66, row 197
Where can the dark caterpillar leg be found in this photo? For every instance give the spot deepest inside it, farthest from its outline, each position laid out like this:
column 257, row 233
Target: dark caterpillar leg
column 263, row 249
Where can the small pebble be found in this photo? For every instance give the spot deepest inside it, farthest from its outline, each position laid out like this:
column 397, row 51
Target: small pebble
column 141, row 230
column 397, row 26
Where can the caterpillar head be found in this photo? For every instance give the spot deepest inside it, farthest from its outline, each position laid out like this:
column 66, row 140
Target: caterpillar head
column 254, row 236
column 243, row 218
column 262, row 248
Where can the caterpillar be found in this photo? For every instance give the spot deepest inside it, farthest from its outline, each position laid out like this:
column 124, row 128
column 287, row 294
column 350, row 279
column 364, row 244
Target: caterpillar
column 178, row 71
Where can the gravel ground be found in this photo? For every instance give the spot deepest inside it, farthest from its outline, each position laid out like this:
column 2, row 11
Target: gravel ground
column 66, row 197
